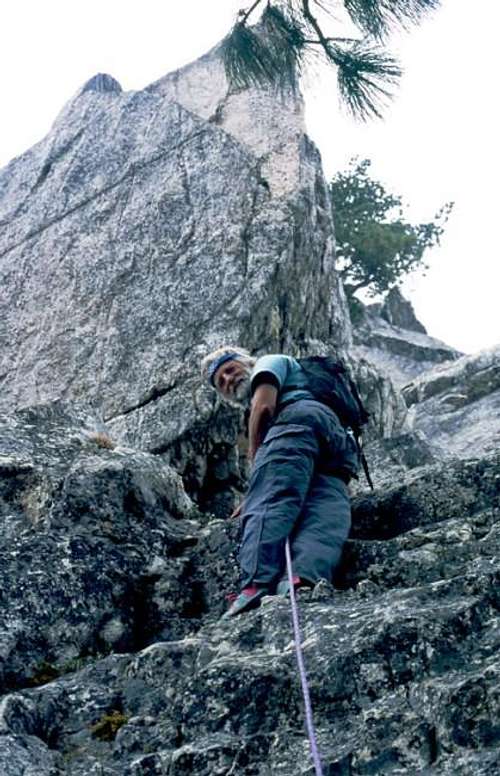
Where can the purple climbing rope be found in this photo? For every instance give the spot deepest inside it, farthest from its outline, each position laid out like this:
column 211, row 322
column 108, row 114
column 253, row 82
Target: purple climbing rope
column 302, row 671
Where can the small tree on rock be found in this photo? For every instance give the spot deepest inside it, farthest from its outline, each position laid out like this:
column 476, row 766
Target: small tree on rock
column 376, row 246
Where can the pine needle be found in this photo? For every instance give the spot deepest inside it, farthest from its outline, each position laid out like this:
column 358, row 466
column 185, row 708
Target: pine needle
column 272, row 55
column 247, row 59
column 285, row 36
column 365, row 77
column 274, row 52
column 378, row 17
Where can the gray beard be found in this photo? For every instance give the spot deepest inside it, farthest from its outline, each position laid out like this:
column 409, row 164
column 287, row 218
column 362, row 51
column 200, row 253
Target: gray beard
column 241, row 397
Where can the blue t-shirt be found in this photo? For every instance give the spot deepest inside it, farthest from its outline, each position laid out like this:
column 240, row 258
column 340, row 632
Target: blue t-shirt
column 286, row 371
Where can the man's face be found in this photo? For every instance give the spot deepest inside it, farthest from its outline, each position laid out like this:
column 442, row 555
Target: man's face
column 231, row 380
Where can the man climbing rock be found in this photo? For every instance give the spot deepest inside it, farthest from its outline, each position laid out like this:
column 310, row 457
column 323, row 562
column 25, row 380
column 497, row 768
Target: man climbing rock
column 302, row 460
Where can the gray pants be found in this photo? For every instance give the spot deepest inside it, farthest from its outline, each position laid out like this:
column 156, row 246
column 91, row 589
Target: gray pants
column 293, row 491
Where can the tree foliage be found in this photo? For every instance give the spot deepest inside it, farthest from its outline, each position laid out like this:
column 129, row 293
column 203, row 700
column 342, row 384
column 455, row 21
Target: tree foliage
column 376, row 246
column 291, row 34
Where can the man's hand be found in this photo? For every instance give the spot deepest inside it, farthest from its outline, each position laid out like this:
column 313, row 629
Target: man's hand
column 237, row 511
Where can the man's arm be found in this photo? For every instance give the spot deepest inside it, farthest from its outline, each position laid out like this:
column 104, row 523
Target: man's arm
column 262, row 412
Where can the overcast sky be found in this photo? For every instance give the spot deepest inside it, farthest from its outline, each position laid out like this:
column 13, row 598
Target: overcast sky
column 438, row 141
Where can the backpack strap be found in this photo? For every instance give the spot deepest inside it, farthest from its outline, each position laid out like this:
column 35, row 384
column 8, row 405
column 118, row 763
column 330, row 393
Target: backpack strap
column 364, row 462
column 366, row 470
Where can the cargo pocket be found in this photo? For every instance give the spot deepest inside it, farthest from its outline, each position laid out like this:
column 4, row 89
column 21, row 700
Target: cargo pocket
column 283, row 440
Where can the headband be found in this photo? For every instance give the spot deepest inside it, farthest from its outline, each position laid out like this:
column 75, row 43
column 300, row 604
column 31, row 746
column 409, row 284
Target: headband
column 214, row 366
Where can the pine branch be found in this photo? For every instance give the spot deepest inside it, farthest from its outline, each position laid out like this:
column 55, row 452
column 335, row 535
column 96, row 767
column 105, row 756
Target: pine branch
column 271, row 56
column 365, row 75
column 247, row 59
column 364, row 72
column 331, row 40
column 243, row 15
column 378, row 17
column 289, row 31
column 360, row 285
column 286, row 37
column 321, row 6
column 314, row 24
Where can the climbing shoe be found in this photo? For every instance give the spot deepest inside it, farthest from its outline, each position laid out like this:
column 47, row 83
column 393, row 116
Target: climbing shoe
column 249, row 598
column 283, row 587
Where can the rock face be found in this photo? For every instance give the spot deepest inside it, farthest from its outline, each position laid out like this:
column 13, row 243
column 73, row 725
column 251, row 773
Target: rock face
column 88, row 533
column 115, row 661
column 146, row 229
column 390, row 337
column 452, row 408
column 399, row 312
column 457, row 406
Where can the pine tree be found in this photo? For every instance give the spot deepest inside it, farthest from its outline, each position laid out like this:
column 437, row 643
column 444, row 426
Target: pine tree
column 290, row 35
column 376, row 245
